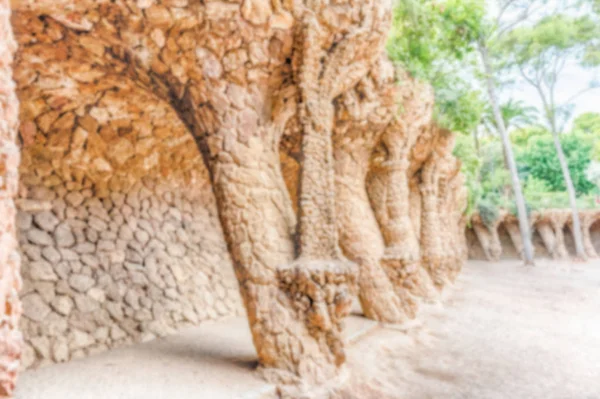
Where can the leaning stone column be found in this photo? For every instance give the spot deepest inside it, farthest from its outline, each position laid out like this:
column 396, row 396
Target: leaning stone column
column 488, row 237
column 402, row 253
column 436, row 173
column 390, row 192
column 430, row 235
column 361, row 117
column 588, row 218
column 511, row 224
column 558, row 219
column 10, row 279
column 294, row 312
column 453, row 216
column 544, row 229
column 415, row 205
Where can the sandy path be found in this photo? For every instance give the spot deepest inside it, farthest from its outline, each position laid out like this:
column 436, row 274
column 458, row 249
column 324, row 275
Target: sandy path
column 504, row 331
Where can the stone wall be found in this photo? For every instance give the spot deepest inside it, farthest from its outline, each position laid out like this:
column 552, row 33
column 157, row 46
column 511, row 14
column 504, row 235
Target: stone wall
column 105, row 271
column 10, row 280
column 117, row 221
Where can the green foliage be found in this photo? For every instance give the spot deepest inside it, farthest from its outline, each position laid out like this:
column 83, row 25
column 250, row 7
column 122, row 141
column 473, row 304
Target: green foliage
column 436, row 41
column 458, row 106
column 489, row 212
column 428, row 34
column 550, row 36
column 540, row 52
column 515, row 114
column 593, row 175
column 542, row 162
column 588, row 123
column 433, row 41
column 471, row 164
column 521, row 137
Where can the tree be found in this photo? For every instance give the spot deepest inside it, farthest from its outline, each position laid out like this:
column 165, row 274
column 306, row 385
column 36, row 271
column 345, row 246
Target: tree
column 432, row 41
column 588, row 123
column 540, row 53
column 471, row 167
column 510, row 158
column 593, row 174
column 542, row 162
column 437, row 41
column 521, row 137
column 516, row 114
column 485, row 37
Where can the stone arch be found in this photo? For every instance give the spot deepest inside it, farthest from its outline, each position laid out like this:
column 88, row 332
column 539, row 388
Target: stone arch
column 111, row 92
column 232, row 85
column 509, row 240
column 487, row 235
column 538, row 243
column 118, row 224
column 595, row 234
column 568, row 238
column 550, row 225
column 588, row 218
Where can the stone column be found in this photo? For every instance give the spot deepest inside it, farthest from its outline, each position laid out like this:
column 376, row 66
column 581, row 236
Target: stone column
column 588, row 218
column 558, row 220
column 488, row 237
column 545, row 231
column 431, row 250
column 436, row 174
column 402, row 257
column 452, row 212
column 362, row 115
column 415, row 205
column 390, row 192
column 511, row 224
column 10, row 279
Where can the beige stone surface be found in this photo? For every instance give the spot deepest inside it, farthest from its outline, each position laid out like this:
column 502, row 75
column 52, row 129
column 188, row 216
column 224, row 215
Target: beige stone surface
column 10, row 278
column 176, row 153
column 552, row 235
column 133, row 266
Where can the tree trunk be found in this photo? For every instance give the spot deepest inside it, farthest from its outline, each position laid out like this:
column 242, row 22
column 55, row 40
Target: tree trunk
column 476, row 142
column 510, row 158
column 577, row 236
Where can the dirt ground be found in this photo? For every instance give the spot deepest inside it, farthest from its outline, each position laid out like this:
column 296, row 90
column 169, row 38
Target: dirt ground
column 504, row 331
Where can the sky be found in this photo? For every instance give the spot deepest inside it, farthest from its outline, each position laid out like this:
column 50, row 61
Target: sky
column 572, row 81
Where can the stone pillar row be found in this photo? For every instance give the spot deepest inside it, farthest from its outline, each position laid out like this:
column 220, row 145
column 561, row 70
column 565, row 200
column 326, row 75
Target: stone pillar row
column 328, row 174
column 550, row 225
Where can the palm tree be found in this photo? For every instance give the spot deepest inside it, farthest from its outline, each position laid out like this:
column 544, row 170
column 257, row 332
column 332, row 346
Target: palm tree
column 515, row 114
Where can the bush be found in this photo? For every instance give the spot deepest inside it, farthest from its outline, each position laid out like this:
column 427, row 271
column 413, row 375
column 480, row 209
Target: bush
column 541, row 161
column 488, row 211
